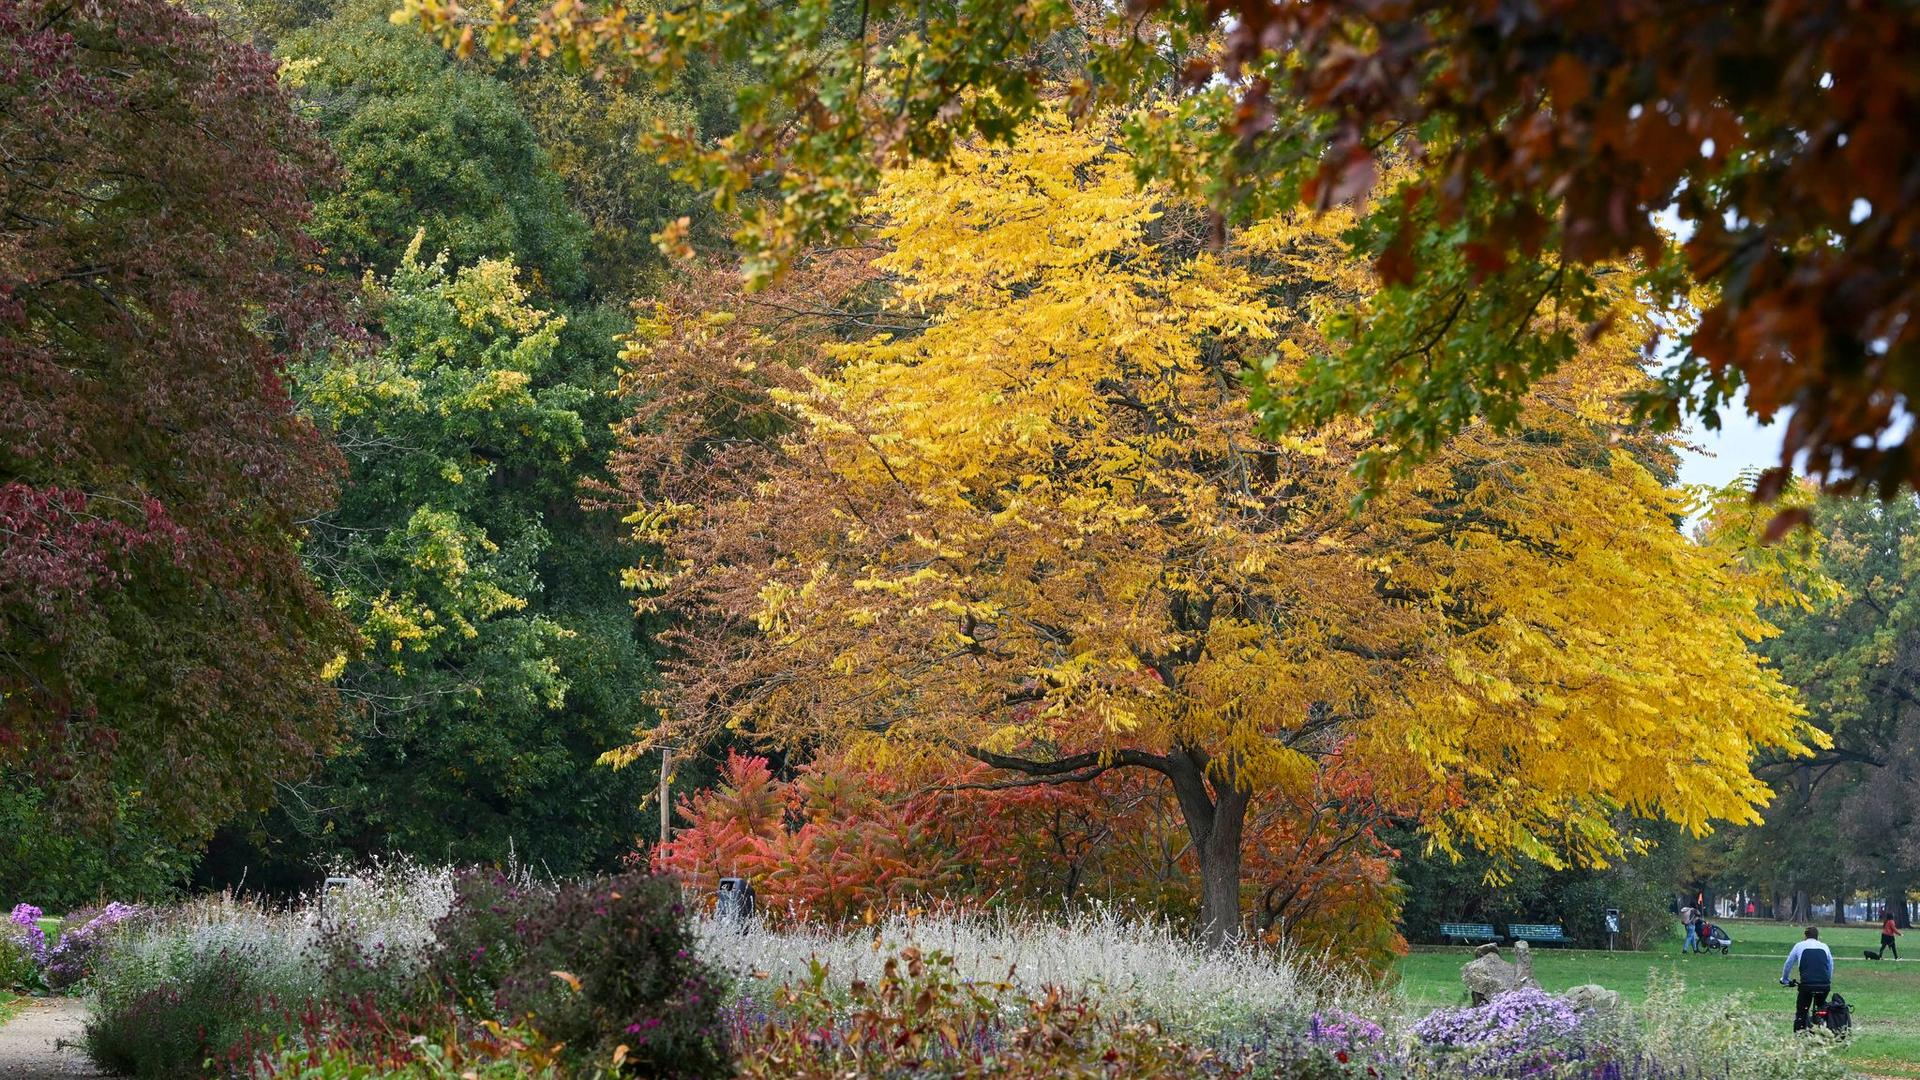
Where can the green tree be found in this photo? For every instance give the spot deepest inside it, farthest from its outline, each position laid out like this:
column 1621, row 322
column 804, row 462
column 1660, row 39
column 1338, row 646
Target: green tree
column 500, row 657
column 591, row 129
column 1848, row 815
column 1473, row 888
column 427, row 143
column 468, row 431
column 43, row 860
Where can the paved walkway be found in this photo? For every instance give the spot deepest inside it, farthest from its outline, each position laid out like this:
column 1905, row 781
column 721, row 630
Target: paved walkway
column 42, row 1042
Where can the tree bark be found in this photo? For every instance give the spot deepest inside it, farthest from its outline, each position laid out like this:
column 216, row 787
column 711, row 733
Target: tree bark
column 1216, row 822
column 1220, row 870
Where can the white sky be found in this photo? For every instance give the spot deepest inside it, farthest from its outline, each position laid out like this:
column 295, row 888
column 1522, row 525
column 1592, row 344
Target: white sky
column 1740, row 444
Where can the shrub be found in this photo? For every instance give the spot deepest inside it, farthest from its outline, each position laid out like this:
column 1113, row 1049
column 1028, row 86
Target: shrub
column 23, row 948
column 221, row 979
column 1143, row 968
column 1522, row 1032
column 919, row 1019
column 483, row 936
column 24, row 927
column 212, row 1008
column 71, row 960
column 612, row 965
column 17, row 969
column 1724, row 1038
column 489, row 1052
column 348, row 970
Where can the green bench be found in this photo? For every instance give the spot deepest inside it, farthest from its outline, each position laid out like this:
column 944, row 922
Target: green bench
column 1538, row 932
column 1468, row 931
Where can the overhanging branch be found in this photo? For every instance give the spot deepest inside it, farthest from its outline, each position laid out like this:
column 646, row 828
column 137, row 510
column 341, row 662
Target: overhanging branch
column 1062, row 770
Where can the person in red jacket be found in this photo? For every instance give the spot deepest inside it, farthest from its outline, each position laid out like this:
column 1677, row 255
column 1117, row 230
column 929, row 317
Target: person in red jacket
column 1888, row 931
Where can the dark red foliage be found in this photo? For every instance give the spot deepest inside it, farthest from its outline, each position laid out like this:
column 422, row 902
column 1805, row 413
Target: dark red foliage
column 157, row 630
column 1783, row 130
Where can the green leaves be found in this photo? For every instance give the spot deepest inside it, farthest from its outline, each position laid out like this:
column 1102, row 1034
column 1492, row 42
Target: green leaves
column 419, row 552
column 427, row 144
column 500, row 656
column 1461, row 341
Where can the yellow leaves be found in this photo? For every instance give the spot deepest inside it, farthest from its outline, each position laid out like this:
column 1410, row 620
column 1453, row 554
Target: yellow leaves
column 488, row 294
column 491, row 391
column 331, row 669
column 655, row 523
column 774, row 598
column 400, row 624
column 1053, row 525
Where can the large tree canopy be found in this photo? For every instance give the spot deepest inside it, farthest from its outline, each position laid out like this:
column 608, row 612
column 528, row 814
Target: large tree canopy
column 427, row 143
column 1847, row 817
column 1549, row 139
column 500, row 655
column 1030, row 519
column 158, row 636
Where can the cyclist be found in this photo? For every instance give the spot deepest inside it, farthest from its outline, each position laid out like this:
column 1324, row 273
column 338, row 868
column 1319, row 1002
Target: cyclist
column 1816, row 975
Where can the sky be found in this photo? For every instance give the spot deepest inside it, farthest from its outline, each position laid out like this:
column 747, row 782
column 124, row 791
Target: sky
column 1740, row 444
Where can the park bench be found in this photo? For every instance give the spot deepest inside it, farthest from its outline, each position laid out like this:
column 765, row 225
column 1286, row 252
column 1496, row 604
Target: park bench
column 1468, row 931
column 1538, row 932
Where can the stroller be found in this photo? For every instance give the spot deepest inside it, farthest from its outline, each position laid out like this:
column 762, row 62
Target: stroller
column 1715, row 937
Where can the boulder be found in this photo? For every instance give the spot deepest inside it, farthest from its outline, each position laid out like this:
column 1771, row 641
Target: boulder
column 1487, row 976
column 1592, row 998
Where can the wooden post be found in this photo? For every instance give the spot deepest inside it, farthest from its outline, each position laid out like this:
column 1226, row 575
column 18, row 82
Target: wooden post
column 666, row 811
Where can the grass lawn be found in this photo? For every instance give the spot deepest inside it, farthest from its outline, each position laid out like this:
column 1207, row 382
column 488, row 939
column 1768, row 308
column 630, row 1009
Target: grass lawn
column 10, row 1003
column 1885, row 995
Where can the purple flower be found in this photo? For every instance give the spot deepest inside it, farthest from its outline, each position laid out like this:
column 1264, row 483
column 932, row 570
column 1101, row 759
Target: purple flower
column 71, row 960
column 26, row 918
column 1339, row 1030
column 1519, row 1033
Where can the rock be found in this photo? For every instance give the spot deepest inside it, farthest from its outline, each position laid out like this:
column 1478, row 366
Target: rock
column 1592, row 998
column 1487, row 976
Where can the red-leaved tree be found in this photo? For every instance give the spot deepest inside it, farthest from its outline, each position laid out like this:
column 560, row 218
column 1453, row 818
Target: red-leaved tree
column 157, row 632
column 840, row 841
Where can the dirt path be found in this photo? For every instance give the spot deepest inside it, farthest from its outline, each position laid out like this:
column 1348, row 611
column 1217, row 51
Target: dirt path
column 42, row 1042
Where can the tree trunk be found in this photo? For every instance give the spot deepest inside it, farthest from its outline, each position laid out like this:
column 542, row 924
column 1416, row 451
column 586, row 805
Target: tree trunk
column 1220, row 864
column 1896, row 900
column 1214, row 809
column 1216, row 820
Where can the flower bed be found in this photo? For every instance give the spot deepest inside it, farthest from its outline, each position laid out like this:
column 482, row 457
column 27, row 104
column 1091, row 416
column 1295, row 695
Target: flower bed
column 425, row 974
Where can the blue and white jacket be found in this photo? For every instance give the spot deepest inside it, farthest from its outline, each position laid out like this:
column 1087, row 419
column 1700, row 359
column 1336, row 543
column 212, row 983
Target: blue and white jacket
column 1815, row 960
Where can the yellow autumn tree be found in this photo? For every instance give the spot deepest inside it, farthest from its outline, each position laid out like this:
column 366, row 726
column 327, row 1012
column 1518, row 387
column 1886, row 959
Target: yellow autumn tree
column 1030, row 519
